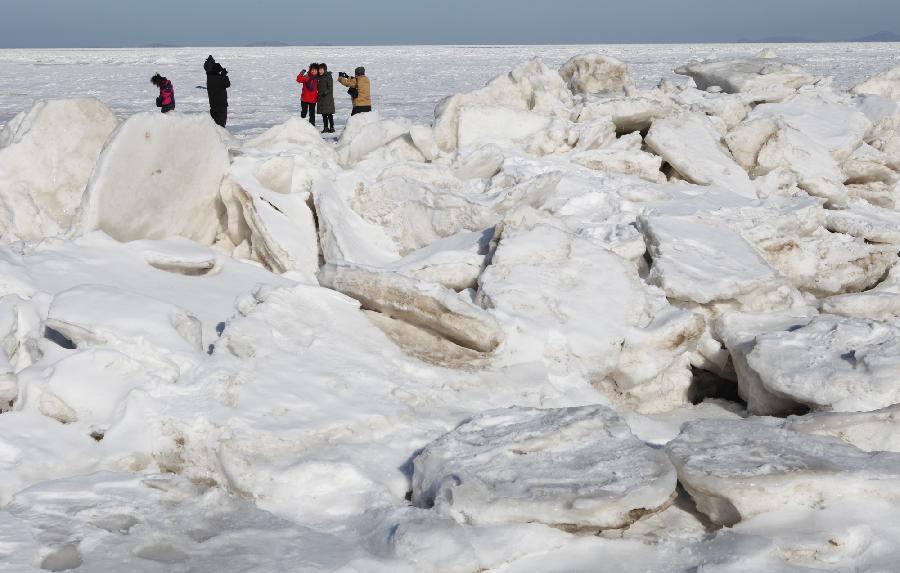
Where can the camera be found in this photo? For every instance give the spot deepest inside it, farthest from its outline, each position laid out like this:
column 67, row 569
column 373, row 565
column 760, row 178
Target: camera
column 343, row 75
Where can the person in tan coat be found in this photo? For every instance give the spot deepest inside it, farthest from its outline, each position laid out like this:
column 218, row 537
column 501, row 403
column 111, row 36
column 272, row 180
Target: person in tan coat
column 360, row 90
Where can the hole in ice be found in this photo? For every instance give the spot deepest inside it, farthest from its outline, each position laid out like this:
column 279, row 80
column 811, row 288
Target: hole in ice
column 62, row 559
column 706, row 385
column 58, row 338
column 220, row 328
column 850, row 357
column 162, row 553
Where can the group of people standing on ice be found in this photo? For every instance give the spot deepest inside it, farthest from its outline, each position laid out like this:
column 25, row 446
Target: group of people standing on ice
column 317, row 92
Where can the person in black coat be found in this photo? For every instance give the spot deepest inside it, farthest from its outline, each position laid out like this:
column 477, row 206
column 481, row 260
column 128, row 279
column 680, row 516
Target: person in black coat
column 217, row 84
column 326, row 98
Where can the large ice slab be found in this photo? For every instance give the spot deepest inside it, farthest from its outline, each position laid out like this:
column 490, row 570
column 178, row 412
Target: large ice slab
column 159, row 176
column 427, row 305
column 45, row 165
column 573, row 467
column 834, row 363
column 736, row 470
column 704, row 261
column 691, row 145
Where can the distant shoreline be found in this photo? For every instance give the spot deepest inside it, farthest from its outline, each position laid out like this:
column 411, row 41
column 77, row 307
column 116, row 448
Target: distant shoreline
column 494, row 46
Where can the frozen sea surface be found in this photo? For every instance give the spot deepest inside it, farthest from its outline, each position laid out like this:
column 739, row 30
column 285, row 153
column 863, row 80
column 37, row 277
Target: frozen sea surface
column 408, row 80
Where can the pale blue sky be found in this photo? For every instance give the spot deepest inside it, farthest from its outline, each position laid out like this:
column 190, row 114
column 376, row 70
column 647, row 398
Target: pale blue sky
column 83, row 23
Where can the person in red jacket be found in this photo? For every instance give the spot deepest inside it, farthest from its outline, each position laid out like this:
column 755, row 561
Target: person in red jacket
column 166, row 99
column 310, row 95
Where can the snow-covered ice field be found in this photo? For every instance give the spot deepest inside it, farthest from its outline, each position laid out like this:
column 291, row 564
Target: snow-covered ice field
column 408, row 80
column 614, row 309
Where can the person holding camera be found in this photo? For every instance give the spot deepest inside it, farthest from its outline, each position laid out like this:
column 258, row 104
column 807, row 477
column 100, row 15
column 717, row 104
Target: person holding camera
column 166, row 99
column 310, row 95
column 217, row 84
column 360, row 90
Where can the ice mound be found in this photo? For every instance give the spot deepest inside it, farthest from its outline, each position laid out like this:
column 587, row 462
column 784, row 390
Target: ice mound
column 583, row 308
column 885, row 84
column 427, row 305
column 530, row 87
column 573, row 468
column 595, row 73
column 46, row 158
column 834, row 363
column 159, row 176
column 763, row 79
column 736, row 470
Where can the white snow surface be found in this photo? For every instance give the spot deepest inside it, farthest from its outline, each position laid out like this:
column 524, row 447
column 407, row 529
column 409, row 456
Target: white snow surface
column 582, row 316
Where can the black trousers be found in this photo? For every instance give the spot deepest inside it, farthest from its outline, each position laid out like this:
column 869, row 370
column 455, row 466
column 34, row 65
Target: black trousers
column 220, row 116
column 167, row 108
column 360, row 109
column 328, row 121
column 308, row 108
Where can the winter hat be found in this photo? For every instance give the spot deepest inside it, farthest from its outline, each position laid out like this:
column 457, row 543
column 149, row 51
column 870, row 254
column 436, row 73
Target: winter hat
column 360, row 71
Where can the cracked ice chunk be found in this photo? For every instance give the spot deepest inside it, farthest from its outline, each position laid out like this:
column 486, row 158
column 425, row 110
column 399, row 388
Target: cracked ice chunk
column 838, row 128
column 738, row 331
column 428, row 305
column 834, row 363
column 454, row 262
column 866, row 221
column 886, row 84
column 735, row 470
column 159, row 176
column 574, row 467
column 690, row 143
column 766, row 79
column 879, row 303
column 46, row 165
column 703, row 261
column 594, row 72
column 877, row 431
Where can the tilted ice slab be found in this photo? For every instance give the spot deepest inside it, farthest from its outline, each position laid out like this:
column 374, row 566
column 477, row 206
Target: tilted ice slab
column 885, row 84
column 427, row 305
column 690, row 143
column 735, row 470
column 45, row 165
column 575, row 467
column 282, row 226
column 159, row 176
column 834, row 363
column 704, row 261
column 765, row 79
column 455, row 262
